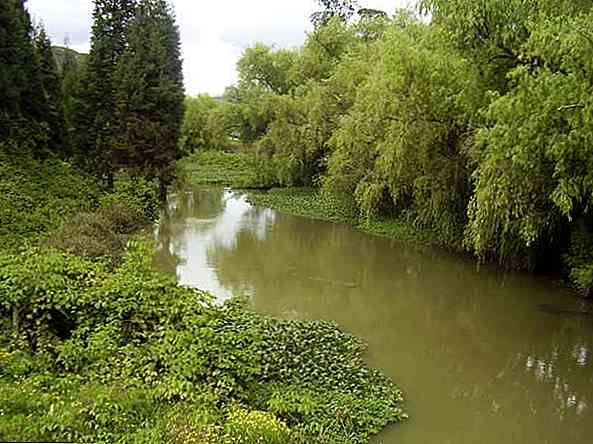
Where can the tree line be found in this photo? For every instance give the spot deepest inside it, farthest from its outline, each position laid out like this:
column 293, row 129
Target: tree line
column 471, row 117
column 118, row 109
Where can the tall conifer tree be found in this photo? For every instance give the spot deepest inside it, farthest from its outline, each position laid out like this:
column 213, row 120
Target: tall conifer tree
column 23, row 105
column 150, row 94
column 108, row 42
column 70, row 79
column 52, row 88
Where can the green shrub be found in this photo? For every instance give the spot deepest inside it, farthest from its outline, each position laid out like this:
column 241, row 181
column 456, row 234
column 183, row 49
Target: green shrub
column 37, row 196
column 580, row 260
column 127, row 355
column 254, row 427
column 139, row 194
column 103, row 233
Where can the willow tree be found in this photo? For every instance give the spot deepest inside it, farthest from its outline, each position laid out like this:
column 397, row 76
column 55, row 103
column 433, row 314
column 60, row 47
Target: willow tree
column 402, row 146
column 149, row 97
column 534, row 181
column 204, row 126
column 493, row 31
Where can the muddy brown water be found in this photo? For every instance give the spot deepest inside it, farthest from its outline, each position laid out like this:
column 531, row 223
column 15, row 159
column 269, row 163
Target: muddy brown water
column 482, row 356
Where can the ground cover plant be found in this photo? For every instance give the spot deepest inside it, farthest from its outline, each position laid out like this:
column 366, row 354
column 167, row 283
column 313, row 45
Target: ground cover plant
column 98, row 348
column 36, row 196
column 236, row 169
column 130, row 356
column 313, row 203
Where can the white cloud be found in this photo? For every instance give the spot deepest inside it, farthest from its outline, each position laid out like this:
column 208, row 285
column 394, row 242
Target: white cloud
column 213, row 33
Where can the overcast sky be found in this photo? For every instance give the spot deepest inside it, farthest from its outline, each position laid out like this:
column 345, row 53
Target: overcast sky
column 213, row 33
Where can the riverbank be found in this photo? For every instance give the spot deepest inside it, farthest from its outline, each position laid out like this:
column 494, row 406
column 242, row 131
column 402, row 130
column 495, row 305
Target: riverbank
column 234, row 169
column 97, row 346
column 435, row 323
column 312, row 203
column 239, row 170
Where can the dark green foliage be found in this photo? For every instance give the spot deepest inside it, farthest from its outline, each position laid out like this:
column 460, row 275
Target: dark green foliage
column 97, row 120
column 149, row 95
column 52, row 87
column 72, row 71
column 23, row 102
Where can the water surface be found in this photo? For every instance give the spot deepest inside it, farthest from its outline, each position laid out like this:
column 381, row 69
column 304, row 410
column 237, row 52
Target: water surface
column 479, row 359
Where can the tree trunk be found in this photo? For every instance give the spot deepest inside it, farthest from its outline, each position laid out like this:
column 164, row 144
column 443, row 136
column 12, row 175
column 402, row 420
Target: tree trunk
column 162, row 189
column 110, row 181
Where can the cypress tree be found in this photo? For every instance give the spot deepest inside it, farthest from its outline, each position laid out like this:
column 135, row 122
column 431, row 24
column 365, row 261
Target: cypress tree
column 70, row 78
column 150, row 94
column 108, row 42
column 23, row 103
column 52, row 88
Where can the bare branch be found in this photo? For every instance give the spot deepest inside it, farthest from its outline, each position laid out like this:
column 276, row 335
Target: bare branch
column 569, row 107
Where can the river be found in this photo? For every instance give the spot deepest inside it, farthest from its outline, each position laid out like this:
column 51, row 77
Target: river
column 482, row 356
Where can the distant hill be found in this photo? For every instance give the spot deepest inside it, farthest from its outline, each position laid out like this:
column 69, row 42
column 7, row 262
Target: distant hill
column 61, row 52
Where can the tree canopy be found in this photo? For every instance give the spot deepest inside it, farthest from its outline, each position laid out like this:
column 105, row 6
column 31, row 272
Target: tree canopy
column 477, row 124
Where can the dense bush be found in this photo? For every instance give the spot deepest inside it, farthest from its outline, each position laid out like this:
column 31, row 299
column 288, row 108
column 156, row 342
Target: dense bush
column 109, row 356
column 204, row 125
column 135, row 193
column 36, row 196
column 100, row 234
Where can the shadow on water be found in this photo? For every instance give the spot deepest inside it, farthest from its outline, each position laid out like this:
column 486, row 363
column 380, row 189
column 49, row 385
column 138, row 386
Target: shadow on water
column 482, row 356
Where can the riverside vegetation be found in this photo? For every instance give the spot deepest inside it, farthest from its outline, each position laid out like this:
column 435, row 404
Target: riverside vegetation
column 99, row 347
column 474, row 125
column 94, row 344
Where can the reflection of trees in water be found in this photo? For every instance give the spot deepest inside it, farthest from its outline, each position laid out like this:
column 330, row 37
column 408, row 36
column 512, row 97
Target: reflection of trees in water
column 545, row 369
column 433, row 321
column 191, row 203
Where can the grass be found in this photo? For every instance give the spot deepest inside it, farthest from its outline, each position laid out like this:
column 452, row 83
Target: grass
column 310, row 202
column 234, row 169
